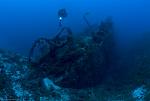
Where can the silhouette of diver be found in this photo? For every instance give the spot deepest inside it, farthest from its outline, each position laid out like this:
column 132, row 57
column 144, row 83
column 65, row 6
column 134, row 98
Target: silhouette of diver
column 62, row 14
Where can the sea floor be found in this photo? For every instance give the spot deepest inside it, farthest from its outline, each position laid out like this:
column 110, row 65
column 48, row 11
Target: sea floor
column 14, row 85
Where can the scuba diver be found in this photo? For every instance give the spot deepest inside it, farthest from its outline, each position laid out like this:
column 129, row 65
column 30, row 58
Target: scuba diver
column 61, row 15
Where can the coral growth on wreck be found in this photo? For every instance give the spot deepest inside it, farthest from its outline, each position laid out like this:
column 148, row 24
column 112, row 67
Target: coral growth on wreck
column 74, row 62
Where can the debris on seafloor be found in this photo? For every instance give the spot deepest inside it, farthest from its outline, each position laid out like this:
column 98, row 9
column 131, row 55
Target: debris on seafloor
column 14, row 72
column 74, row 62
column 139, row 93
column 64, row 68
column 49, row 85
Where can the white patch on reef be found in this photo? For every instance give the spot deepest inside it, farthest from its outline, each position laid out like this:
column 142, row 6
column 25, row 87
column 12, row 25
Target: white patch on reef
column 20, row 92
column 49, row 85
column 17, row 89
column 7, row 68
column 16, row 76
column 139, row 93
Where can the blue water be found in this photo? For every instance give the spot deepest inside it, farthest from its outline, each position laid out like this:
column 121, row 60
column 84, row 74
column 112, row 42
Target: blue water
column 23, row 21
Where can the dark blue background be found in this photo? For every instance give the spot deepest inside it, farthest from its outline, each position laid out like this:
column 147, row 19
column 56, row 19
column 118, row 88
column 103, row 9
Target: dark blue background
column 22, row 21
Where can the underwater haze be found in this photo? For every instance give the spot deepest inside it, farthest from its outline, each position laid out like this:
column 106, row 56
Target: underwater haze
column 22, row 21
column 75, row 50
